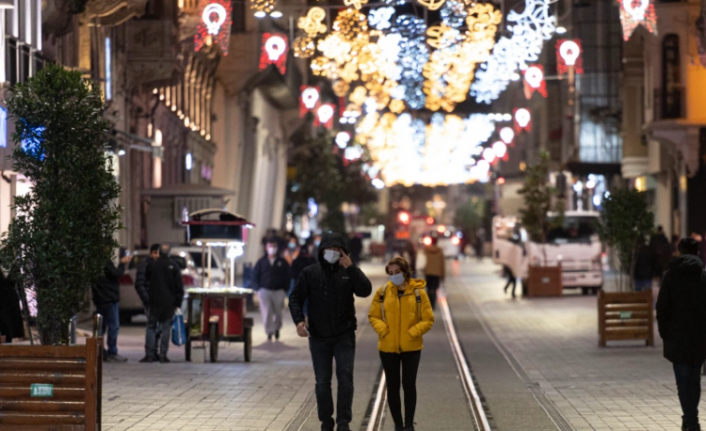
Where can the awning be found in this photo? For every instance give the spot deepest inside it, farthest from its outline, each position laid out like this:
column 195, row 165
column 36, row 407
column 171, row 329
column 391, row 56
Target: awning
column 683, row 135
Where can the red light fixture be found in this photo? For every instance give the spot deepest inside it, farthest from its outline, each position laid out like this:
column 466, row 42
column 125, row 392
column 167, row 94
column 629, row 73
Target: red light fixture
column 568, row 53
column 404, row 217
column 273, row 50
column 430, row 220
column 500, row 181
column 534, row 81
column 214, row 25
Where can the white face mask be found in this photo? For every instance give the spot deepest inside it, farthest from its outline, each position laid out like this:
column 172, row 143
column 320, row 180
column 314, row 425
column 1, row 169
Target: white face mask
column 397, row 279
column 271, row 251
column 331, row 256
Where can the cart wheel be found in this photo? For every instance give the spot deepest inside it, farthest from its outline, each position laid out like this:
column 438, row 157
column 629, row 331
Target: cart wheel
column 247, row 338
column 213, row 341
column 187, row 348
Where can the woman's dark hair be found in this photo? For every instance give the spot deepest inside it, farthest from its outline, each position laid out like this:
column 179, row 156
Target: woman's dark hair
column 403, row 264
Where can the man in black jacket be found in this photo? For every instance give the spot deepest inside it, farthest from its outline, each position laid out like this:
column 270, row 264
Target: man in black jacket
column 272, row 279
column 681, row 318
column 166, row 292
column 141, row 278
column 330, row 286
column 106, row 297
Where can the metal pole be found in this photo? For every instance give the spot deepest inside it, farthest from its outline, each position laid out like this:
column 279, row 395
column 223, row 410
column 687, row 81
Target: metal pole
column 209, row 265
column 72, row 330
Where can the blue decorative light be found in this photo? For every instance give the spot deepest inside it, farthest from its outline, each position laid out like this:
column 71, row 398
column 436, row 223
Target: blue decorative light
column 3, row 127
column 32, row 142
column 380, row 18
column 453, row 13
column 414, row 54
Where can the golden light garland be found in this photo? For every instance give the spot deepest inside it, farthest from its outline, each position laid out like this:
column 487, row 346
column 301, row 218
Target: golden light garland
column 266, row 6
column 312, row 22
column 304, row 47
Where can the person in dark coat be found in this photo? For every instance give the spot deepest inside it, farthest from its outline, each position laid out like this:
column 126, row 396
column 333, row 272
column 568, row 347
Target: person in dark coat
column 681, row 319
column 106, row 297
column 644, row 268
column 11, row 324
column 165, row 291
column 330, row 286
column 141, row 278
column 356, row 246
column 303, row 260
column 272, row 278
column 661, row 250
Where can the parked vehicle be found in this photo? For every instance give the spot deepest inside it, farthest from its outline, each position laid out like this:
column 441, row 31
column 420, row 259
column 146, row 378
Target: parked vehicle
column 575, row 245
column 189, row 259
column 370, row 235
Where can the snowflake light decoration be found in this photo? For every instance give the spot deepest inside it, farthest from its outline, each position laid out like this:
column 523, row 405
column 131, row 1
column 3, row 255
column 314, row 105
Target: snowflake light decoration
column 637, row 12
column 379, row 18
column 528, row 31
column 453, row 13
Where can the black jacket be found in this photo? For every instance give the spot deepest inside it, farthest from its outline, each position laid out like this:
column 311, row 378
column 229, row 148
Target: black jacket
column 301, row 262
column 107, row 288
column 165, row 287
column 329, row 289
column 271, row 277
column 11, row 324
column 681, row 311
column 141, row 281
column 644, row 263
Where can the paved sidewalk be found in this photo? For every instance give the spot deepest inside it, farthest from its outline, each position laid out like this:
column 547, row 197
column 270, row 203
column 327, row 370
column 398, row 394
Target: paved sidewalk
column 555, row 342
column 268, row 394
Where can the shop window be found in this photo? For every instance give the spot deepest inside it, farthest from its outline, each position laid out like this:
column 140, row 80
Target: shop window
column 671, row 78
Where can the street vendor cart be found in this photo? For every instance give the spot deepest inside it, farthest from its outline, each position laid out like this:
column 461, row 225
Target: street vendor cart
column 221, row 314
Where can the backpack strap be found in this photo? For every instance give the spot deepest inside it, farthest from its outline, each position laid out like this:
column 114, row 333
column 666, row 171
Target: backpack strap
column 382, row 300
column 419, row 304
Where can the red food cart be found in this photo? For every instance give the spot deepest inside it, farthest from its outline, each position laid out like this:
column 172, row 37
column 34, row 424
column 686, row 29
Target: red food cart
column 222, row 316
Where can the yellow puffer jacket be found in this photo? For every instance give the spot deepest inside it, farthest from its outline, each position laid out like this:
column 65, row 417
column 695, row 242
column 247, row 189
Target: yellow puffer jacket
column 402, row 329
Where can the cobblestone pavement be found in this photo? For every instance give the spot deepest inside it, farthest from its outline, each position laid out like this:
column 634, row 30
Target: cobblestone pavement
column 625, row 386
column 264, row 395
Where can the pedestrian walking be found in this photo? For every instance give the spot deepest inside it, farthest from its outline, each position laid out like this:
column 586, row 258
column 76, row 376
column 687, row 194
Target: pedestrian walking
column 165, row 294
column 330, row 286
column 304, row 259
column 106, row 298
column 435, row 269
column 661, row 251
column 11, row 323
column 271, row 277
column 142, row 289
column 292, row 249
column 511, row 280
column 401, row 313
column 681, row 319
column 644, row 268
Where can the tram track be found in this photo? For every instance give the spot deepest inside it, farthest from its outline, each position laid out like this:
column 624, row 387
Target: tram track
column 479, row 415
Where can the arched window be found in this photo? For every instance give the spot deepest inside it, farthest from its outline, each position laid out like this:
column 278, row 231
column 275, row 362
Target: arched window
column 671, row 78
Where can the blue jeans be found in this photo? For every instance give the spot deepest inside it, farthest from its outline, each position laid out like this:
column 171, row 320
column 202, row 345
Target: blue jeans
column 642, row 285
column 689, row 388
column 323, row 351
column 111, row 320
column 154, row 327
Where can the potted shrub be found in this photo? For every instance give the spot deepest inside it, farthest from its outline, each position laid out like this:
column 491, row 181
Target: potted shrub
column 62, row 234
column 540, row 199
column 625, row 223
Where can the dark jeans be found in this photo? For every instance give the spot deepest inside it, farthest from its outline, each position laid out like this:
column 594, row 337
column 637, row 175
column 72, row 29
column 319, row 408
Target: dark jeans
column 689, row 387
column 408, row 362
column 111, row 320
column 154, row 327
column 432, row 286
column 323, row 352
column 511, row 281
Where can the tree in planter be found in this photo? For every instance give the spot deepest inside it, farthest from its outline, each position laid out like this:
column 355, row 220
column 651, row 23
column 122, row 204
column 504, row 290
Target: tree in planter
column 625, row 221
column 63, row 233
column 540, row 198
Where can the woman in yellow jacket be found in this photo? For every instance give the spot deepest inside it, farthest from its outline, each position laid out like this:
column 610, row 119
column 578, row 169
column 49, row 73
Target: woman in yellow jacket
column 401, row 313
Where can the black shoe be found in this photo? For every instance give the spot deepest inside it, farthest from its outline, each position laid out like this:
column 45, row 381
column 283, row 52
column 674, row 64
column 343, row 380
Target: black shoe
column 277, row 335
column 269, row 337
column 344, row 428
column 409, row 428
column 147, row 360
column 399, row 428
column 155, row 357
column 164, row 360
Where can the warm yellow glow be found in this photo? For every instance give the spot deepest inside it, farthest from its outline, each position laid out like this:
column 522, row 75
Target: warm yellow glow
column 432, row 4
column 641, row 184
column 683, row 183
column 311, row 23
column 156, row 172
column 158, row 137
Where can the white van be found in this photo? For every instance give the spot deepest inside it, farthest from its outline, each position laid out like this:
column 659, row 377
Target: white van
column 575, row 245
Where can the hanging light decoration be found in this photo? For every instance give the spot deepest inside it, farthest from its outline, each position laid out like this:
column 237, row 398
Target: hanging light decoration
column 568, row 56
column 527, row 35
column 637, row 12
column 507, row 135
column 453, row 13
column 264, row 6
column 312, row 23
column 534, row 81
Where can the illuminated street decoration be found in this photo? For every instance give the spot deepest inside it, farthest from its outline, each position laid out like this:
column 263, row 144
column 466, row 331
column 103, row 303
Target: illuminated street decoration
column 432, row 4
column 214, row 25
column 274, row 51
column 265, row 6
column 355, row 3
column 379, row 18
column 528, row 31
column 413, row 54
column 324, row 115
column 500, row 149
column 637, row 12
column 342, row 139
column 451, row 67
column 304, row 47
column 407, row 151
column 311, row 23
column 308, row 100
column 568, row 56
column 507, row 135
column 523, row 120
column 534, row 81
column 453, row 13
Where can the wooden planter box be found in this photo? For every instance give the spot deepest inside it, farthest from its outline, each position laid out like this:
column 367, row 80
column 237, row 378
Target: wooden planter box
column 625, row 316
column 51, row 387
column 545, row 281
